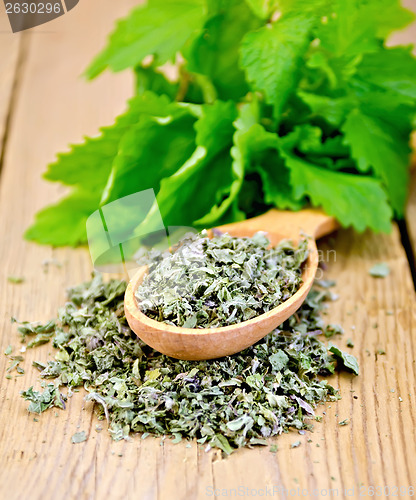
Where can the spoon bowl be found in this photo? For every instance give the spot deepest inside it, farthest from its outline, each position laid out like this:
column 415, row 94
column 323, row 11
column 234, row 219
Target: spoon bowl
column 209, row 343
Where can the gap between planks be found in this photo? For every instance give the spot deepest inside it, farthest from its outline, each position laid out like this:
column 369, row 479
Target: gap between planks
column 11, row 61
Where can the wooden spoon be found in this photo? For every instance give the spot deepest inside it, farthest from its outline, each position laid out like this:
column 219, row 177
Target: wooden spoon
column 208, row 343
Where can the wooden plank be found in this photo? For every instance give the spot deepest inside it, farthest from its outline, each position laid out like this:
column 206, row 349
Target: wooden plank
column 377, row 448
column 411, row 211
column 9, row 58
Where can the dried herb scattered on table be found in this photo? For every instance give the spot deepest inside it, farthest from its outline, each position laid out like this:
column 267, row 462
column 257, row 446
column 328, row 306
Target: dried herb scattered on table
column 17, row 280
column 207, row 283
column 41, row 401
column 235, row 401
column 78, row 437
column 380, row 270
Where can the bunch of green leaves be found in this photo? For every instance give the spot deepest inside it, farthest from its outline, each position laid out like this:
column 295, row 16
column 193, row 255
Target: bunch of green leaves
column 238, row 400
column 276, row 103
column 209, row 283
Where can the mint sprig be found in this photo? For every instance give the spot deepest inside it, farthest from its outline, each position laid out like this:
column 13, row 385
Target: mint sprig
column 277, row 104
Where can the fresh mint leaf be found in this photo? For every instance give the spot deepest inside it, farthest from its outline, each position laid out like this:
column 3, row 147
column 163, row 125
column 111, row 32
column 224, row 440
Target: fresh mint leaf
column 150, row 151
column 208, row 170
column 89, row 164
column 260, row 151
column 64, row 224
column 357, row 201
column 312, row 143
column 333, row 110
column 321, row 101
column 263, row 8
column 347, row 32
column 391, row 69
column 271, row 57
column 277, row 188
column 215, row 52
column 87, row 167
column 386, row 16
column 374, row 144
column 159, row 28
column 355, row 26
column 150, row 79
column 247, row 116
column 388, row 107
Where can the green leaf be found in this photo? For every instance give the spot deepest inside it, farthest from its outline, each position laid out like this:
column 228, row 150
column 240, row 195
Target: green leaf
column 357, row 201
column 262, row 8
column 347, row 360
column 316, row 8
column 376, row 145
column 215, row 52
column 197, row 189
column 386, row 16
column 89, row 164
column 390, row 69
column 333, row 110
column 348, row 32
column 354, row 27
column 389, row 107
column 150, row 78
column 271, row 57
column 247, row 116
column 221, row 442
column 160, row 28
column 151, row 150
column 260, row 152
column 276, row 183
column 310, row 141
column 63, row 224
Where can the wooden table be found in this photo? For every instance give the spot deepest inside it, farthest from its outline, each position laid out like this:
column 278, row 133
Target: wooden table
column 44, row 104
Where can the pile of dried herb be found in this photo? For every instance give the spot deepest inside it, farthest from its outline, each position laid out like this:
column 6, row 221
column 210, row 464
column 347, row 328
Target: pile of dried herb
column 235, row 401
column 208, row 283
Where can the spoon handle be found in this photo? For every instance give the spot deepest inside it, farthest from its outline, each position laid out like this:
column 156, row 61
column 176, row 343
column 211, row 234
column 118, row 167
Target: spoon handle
column 312, row 221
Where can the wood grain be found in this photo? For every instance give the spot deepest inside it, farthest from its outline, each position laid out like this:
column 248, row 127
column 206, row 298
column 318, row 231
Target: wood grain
column 411, row 211
column 376, row 448
column 10, row 54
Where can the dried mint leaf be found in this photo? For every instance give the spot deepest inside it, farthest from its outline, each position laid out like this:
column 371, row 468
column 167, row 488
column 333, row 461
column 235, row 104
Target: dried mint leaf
column 43, row 332
column 239, row 400
column 41, row 401
column 16, row 280
column 347, row 360
column 78, row 437
column 380, row 270
column 208, row 283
